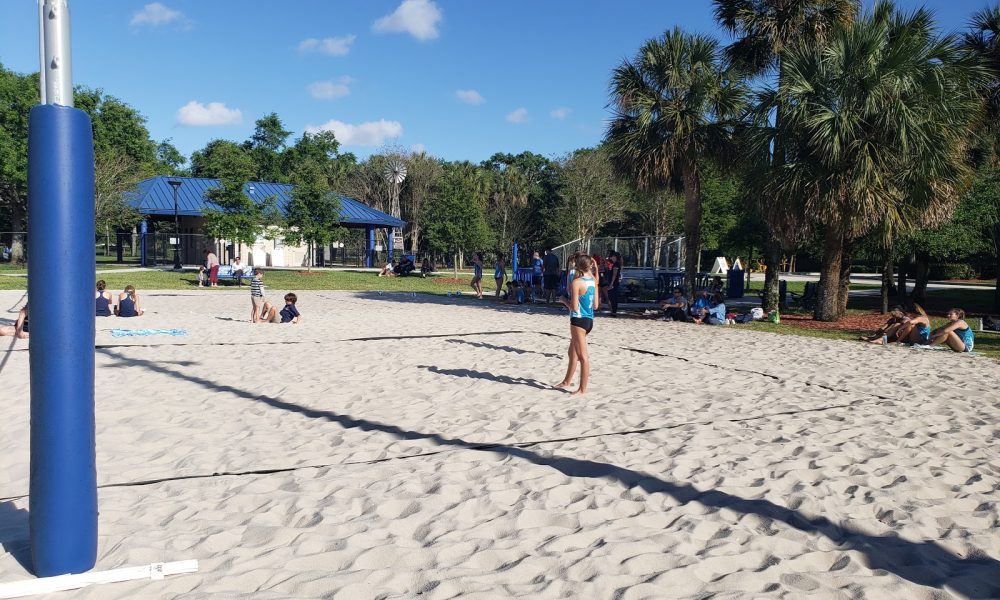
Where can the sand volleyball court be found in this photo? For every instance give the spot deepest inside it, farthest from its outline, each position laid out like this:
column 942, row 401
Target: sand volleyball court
column 401, row 447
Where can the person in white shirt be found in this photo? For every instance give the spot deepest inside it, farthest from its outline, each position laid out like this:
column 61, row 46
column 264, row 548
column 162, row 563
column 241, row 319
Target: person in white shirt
column 237, row 267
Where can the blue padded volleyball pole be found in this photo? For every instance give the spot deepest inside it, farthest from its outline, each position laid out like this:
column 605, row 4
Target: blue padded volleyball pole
column 63, row 488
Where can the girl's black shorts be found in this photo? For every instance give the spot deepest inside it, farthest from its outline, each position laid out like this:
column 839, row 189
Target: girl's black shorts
column 584, row 323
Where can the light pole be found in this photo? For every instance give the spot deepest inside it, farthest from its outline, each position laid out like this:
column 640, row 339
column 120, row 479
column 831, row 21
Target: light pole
column 174, row 183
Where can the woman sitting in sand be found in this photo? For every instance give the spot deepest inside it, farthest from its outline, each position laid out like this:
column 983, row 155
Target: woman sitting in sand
column 20, row 327
column 584, row 300
column 903, row 328
column 128, row 303
column 957, row 334
column 104, row 303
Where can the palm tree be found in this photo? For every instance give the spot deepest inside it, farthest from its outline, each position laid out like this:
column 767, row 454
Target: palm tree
column 983, row 41
column 510, row 190
column 875, row 132
column 764, row 30
column 675, row 104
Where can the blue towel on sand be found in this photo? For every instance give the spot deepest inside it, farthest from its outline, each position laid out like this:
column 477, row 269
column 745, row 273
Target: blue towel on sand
column 144, row 332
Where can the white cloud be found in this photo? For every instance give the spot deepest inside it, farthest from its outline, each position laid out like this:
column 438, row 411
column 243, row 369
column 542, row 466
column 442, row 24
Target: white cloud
column 370, row 133
column 334, row 46
column 560, row 113
column 518, row 116
column 155, row 14
column 418, row 148
column 196, row 114
column 418, row 18
column 330, row 90
column 469, row 96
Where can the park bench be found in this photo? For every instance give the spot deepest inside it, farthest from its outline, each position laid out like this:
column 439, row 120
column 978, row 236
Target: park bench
column 226, row 272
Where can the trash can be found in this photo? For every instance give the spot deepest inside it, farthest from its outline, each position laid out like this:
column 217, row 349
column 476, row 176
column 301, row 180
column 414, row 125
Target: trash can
column 782, row 293
column 735, row 283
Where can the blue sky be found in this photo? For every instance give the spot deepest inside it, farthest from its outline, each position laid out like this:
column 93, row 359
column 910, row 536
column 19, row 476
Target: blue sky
column 460, row 78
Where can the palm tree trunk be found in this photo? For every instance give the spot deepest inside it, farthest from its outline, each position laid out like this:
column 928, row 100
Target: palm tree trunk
column 772, row 261
column 920, row 279
column 901, row 284
column 845, row 277
column 886, row 279
column 827, row 301
column 692, row 225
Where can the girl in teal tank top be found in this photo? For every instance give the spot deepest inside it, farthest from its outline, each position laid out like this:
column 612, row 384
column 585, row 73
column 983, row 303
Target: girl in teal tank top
column 583, row 301
column 957, row 334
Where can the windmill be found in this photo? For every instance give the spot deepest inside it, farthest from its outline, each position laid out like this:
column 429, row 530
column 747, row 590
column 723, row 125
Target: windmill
column 395, row 173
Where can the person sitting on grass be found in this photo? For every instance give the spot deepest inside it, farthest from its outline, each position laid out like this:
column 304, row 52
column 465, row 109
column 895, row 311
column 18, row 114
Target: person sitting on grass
column 675, row 308
column 288, row 314
column 903, row 328
column 715, row 314
column 128, row 303
column 957, row 334
column 700, row 305
column 388, row 270
column 426, row 268
column 19, row 329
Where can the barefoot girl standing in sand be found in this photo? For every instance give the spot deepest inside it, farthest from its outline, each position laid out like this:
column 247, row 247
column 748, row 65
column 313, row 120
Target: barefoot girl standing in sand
column 583, row 301
column 477, row 275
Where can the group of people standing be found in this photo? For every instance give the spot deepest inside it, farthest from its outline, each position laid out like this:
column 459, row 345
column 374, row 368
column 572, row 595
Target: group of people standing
column 548, row 280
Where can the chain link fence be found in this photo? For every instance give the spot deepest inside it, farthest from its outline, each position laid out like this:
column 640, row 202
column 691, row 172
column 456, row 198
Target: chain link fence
column 654, row 253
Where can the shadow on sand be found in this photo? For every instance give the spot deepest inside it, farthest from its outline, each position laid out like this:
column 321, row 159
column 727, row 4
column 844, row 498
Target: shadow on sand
column 14, row 534
column 925, row 563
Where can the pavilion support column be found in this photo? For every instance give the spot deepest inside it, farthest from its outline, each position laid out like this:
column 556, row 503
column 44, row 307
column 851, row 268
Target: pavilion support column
column 369, row 246
column 389, row 242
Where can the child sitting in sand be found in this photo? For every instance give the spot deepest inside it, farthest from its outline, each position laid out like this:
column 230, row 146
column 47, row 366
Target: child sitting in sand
column 957, row 334
column 20, row 327
column 288, row 314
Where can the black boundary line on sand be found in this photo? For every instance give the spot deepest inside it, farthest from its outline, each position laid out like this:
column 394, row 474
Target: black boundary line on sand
column 485, row 446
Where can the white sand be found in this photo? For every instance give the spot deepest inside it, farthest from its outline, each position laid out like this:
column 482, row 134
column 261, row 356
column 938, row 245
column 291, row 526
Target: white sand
column 727, row 463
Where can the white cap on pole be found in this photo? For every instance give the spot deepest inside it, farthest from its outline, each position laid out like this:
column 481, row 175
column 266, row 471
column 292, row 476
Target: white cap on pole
column 56, row 74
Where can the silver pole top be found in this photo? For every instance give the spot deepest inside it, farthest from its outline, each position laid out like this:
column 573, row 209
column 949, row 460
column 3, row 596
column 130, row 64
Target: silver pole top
column 56, row 73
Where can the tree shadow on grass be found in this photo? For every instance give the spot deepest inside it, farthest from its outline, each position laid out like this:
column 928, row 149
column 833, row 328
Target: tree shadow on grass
column 925, row 563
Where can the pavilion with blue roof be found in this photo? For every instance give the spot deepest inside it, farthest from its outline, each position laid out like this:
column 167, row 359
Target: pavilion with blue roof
column 153, row 198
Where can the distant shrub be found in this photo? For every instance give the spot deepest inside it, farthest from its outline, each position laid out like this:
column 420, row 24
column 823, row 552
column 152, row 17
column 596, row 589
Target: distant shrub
column 952, row 271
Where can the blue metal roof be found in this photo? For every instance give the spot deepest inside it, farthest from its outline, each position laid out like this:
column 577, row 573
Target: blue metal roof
column 154, row 196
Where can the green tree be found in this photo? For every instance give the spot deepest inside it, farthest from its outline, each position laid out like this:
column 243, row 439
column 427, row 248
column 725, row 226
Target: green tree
column 423, row 178
column 675, row 104
column 593, row 194
column 539, row 224
column 456, row 216
column 983, row 42
column 18, row 93
column 265, row 147
column 875, row 133
column 313, row 213
column 238, row 217
column 509, row 189
column 169, row 160
column 219, row 157
column 324, row 150
column 764, row 30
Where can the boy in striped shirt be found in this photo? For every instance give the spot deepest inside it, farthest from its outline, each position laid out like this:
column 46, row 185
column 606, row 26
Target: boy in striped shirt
column 257, row 298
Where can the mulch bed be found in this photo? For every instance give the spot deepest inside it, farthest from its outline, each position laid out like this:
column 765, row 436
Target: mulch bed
column 862, row 322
